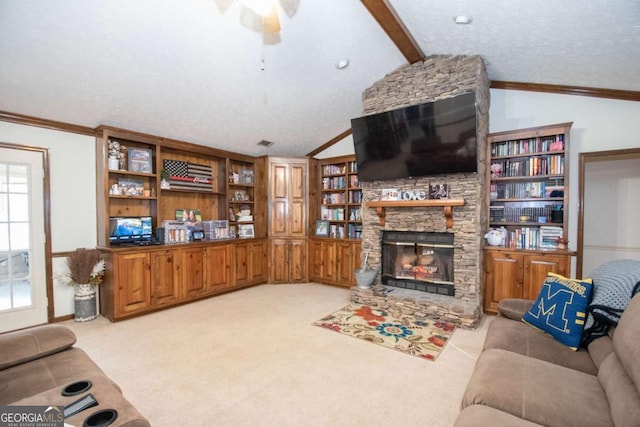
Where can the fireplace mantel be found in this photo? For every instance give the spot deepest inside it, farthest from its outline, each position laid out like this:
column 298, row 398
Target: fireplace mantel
column 447, row 204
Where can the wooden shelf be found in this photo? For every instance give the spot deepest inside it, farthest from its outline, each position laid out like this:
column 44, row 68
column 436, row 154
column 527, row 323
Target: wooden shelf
column 447, row 204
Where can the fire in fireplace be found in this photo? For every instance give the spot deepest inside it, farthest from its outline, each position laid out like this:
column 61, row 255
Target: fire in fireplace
column 422, row 261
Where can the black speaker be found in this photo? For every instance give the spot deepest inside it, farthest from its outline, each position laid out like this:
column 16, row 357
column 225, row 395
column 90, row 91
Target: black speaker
column 160, row 235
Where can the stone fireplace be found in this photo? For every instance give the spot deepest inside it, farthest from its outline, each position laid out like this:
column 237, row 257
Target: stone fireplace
column 435, row 78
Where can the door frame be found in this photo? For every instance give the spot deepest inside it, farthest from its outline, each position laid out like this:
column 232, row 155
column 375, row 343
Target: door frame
column 594, row 156
column 46, row 203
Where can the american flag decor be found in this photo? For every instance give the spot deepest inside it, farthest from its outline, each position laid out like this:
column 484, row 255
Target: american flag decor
column 188, row 176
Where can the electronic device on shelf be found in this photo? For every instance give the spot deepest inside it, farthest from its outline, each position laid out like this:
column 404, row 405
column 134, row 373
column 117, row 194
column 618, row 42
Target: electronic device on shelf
column 428, row 139
column 131, row 230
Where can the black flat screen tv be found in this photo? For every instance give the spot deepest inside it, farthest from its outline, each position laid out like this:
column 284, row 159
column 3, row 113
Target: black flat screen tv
column 125, row 230
column 428, row 139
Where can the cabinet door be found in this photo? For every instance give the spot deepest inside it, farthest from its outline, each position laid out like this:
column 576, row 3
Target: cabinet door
column 344, row 262
column 297, row 200
column 165, row 277
column 536, row 268
column 503, row 278
column 329, row 266
column 279, row 268
column 317, row 257
column 279, row 200
column 218, row 267
column 193, row 279
column 242, row 263
column 298, row 261
column 134, row 283
column 259, row 265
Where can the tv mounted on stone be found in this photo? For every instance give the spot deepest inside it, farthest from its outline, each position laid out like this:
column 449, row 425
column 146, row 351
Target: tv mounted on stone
column 427, row 139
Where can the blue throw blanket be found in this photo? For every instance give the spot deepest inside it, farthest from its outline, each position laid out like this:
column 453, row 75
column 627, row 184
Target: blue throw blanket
column 614, row 284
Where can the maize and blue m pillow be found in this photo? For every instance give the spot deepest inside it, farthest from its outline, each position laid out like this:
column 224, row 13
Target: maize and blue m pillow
column 560, row 308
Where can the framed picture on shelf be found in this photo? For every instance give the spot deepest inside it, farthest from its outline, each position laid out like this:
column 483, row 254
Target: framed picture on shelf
column 322, row 228
column 130, row 187
column 232, row 215
column 389, row 194
column 245, row 231
column 438, row 191
column 140, row 160
column 241, row 195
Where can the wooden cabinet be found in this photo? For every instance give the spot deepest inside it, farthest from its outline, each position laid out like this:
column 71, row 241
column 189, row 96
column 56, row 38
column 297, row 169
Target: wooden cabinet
column 288, row 261
column 528, row 202
column 288, row 184
column 334, row 261
column 288, row 198
column 251, row 266
column 218, row 271
column 337, row 200
column 133, row 285
column 141, row 280
column 206, row 269
column 165, row 277
column 161, row 178
column 515, row 274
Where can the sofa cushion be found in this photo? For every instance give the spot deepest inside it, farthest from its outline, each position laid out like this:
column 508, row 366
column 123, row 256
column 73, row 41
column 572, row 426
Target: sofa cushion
column 620, row 372
column 560, row 308
column 39, row 375
column 518, row 337
column 537, row 391
column 30, row 344
column 481, row 416
column 514, row 308
column 621, row 392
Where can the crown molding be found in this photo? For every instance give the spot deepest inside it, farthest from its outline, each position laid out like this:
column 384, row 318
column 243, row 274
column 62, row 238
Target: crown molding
column 22, row 119
column 625, row 95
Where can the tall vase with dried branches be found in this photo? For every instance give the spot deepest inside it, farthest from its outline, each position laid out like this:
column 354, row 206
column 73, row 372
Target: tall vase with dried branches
column 86, row 270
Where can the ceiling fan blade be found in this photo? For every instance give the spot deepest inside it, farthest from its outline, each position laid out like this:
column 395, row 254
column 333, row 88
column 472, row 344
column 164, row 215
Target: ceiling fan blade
column 290, row 7
column 270, row 22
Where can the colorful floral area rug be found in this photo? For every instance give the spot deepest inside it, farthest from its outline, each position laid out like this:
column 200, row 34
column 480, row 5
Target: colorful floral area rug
column 416, row 336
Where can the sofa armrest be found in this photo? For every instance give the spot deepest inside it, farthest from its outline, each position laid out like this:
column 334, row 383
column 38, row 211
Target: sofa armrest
column 29, row 344
column 514, row 308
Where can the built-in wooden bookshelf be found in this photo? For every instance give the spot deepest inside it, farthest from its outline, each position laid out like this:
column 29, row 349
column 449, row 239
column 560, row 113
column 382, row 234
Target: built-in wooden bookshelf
column 528, row 204
column 341, row 197
column 529, row 185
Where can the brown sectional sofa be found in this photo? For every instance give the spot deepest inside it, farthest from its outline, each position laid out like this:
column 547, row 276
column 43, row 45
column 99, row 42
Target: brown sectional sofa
column 37, row 364
column 524, row 377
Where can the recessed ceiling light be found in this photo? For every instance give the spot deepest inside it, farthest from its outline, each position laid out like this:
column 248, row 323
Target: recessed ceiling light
column 342, row 64
column 462, row 19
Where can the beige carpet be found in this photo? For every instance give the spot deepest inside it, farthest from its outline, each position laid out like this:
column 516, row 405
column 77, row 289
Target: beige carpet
column 253, row 358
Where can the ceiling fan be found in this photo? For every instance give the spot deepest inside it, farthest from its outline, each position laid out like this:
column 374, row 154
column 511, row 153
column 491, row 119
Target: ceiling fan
column 261, row 15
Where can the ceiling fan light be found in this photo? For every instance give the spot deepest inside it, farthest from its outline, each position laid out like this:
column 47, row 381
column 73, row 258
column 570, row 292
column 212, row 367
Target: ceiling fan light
column 261, row 7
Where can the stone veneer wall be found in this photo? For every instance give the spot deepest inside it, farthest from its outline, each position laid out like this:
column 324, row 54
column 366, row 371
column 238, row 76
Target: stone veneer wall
column 435, row 78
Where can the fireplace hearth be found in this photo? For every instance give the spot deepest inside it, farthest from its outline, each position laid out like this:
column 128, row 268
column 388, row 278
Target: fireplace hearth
column 421, row 261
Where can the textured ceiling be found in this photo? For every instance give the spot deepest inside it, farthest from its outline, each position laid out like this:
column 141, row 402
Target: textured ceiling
column 183, row 69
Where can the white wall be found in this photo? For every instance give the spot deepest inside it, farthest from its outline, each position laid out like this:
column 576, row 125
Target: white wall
column 73, row 194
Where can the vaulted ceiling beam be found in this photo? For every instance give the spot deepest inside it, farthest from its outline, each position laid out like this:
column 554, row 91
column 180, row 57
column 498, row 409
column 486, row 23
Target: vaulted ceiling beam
column 387, row 18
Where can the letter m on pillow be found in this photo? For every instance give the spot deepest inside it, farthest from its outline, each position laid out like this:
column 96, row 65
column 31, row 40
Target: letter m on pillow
column 560, row 308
